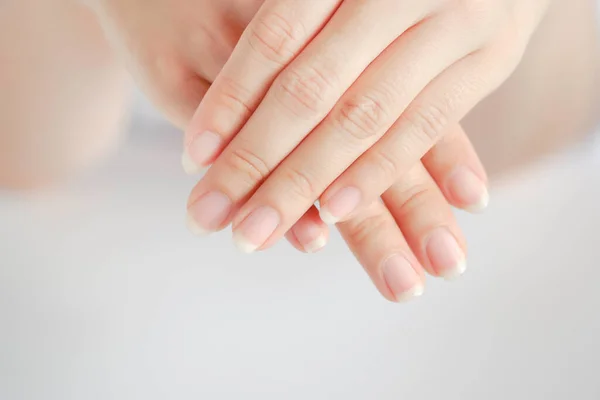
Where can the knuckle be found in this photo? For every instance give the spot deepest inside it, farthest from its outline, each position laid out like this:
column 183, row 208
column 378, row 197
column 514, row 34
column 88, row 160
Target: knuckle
column 232, row 96
column 387, row 164
column 301, row 184
column 363, row 231
column 416, row 197
column 428, row 122
column 362, row 118
column 253, row 168
column 275, row 38
column 304, row 91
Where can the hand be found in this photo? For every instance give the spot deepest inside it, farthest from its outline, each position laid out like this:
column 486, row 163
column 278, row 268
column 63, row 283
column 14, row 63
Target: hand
column 374, row 233
column 354, row 90
column 413, row 229
column 174, row 48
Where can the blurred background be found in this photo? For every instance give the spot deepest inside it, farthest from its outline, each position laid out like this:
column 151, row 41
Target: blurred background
column 105, row 295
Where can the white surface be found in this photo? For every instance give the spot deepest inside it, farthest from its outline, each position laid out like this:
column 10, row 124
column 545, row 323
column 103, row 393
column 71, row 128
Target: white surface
column 104, row 295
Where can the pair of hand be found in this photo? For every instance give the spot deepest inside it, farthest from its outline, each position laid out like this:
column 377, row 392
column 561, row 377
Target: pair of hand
column 334, row 101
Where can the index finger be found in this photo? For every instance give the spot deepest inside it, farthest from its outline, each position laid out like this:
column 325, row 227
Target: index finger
column 276, row 35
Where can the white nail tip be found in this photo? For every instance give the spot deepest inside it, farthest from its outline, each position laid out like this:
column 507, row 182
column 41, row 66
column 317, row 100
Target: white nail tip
column 416, row 291
column 244, row 245
column 482, row 205
column 457, row 272
column 194, row 228
column 316, row 244
column 327, row 217
column 189, row 166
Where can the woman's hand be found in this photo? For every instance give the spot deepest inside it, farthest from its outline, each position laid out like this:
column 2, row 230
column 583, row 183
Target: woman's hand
column 336, row 100
column 177, row 73
column 174, row 48
column 413, row 230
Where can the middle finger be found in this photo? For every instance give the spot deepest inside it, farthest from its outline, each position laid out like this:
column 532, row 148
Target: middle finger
column 298, row 100
column 359, row 120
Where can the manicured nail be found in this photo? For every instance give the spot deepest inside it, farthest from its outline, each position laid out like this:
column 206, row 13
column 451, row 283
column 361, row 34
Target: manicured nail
column 208, row 213
column 340, row 205
column 310, row 236
column 256, row 229
column 445, row 255
column 194, row 228
column 469, row 190
column 200, row 152
column 401, row 278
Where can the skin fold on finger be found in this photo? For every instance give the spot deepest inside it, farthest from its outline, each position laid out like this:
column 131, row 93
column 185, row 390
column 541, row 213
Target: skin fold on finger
column 428, row 224
column 379, row 246
column 309, row 234
column 443, row 103
column 361, row 117
column 259, row 148
column 455, row 167
column 279, row 31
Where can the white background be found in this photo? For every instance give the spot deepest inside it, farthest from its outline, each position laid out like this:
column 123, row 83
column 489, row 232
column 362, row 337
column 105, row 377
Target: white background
column 104, row 295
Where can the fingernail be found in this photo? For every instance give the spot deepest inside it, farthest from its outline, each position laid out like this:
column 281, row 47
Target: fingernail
column 208, row 213
column 469, row 190
column 445, row 255
column 340, row 205
column 310, row 236
column 200, row 152
column 194, row 228
column 256, row 229
column 401, row 278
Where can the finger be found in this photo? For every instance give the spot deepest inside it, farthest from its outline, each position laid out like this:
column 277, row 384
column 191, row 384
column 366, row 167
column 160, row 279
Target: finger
column 443, row 103
column 380, row 247
column 299, row 99
column 455, row 167
column 309, row 234
column 362, row 116
column 275, row 36
column 427, row 222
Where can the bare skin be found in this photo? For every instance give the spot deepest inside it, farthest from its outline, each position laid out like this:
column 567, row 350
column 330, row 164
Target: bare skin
column 551, row 100
column 60, row 113
column 62, row 94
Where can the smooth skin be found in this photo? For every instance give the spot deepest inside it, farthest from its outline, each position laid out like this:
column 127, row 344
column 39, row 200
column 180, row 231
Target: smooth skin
column 82, row 124
column 174, row 72
column 339, row 99
column 63, row 97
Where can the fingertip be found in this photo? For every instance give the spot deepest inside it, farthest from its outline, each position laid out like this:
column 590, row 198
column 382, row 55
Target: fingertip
column 188, row 164
column 327, row 217
column 194, row 228
column 412, row 294
column 467, row 190
column 481, row 205
column 243, row 245
column 402, row 278
column 316, row 245
column 310, row 232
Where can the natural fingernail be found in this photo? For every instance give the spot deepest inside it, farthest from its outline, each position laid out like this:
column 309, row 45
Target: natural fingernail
column 340, row 205
column 201, row 152
column 208, row 213
column 310, row 236
column 256, row 229
column 445, row 255
column 469, row 190
column 401, row 278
